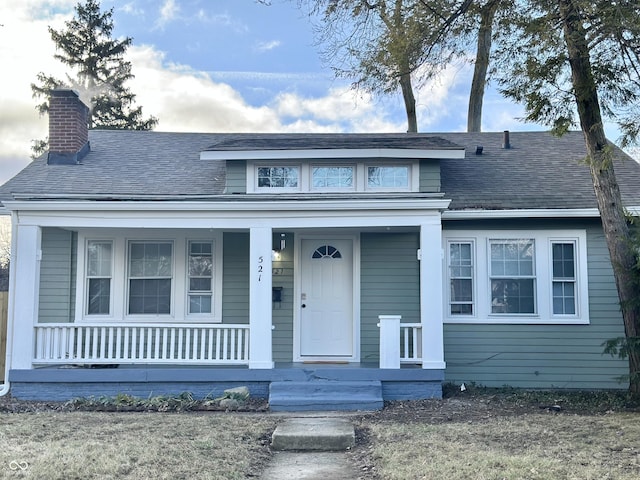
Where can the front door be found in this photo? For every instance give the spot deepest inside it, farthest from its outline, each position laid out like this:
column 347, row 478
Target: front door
column 326, row 299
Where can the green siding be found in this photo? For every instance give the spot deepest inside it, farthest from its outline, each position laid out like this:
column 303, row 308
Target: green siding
column 545, row 356
column 55, row 298
column 430, row 176
column 283, row 311
column 235, row 280
column 236, row 179
column 235, row 290
column 390, row 284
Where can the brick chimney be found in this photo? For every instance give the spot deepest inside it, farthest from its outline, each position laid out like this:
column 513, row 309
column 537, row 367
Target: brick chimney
column 68, row 128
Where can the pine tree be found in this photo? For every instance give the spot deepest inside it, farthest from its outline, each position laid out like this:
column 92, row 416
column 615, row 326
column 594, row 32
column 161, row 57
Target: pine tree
column 99, row 71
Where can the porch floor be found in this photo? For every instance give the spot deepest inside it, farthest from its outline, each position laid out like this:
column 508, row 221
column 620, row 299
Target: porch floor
column 68, row 382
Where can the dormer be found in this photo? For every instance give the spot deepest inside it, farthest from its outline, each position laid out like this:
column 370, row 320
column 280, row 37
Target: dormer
column 332, row 163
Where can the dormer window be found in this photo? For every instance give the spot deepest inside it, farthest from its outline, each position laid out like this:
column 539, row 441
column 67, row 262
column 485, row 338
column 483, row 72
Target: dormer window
column 388, row 177
column 332, row 177
column 319, row 176
column 279, row 177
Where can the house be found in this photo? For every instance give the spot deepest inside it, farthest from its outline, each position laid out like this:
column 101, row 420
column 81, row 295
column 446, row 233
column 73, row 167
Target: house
column 384, row 263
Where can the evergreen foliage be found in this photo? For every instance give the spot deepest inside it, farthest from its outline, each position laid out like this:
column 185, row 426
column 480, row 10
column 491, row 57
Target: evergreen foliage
column 98, row 69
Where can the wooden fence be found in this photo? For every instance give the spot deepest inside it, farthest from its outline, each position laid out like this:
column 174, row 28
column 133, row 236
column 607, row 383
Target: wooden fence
column 4, row 302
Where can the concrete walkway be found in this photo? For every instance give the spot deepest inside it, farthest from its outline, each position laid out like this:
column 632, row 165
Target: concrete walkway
column 310, row 466
column 312, row 448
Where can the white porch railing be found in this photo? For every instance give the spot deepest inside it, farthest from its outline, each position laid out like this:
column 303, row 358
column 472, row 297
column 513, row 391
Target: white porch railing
column 399, row 342
column 141, row 343
column 410, row 343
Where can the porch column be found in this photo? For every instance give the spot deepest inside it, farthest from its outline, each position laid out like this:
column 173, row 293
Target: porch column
column 431, row 310
column 260, row 335
column 23, row 293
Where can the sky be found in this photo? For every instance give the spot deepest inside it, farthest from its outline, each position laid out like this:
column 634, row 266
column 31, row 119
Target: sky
column 221, row 66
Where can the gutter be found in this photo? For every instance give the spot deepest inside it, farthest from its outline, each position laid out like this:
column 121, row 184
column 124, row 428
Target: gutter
column 6, row 386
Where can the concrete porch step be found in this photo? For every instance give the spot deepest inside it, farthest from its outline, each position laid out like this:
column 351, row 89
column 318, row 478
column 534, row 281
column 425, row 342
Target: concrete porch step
column 320, row 395
column 314, row 434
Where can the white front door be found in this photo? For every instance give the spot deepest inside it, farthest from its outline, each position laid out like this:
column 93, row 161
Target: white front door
column 326, row 327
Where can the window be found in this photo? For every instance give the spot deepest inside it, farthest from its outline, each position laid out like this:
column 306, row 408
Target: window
column 332, row 177
column 564, row 278
column 516, row 276
column 314, row 175
column 200, row 273
column 278, row 177
column 461, row 278
column 388, row 177
column 512, row 276
column 150, row 276
column 147, row 275
column 99, row 267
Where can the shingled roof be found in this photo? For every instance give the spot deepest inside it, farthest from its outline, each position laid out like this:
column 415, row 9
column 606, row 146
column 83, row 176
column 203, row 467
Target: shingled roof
column 538, row 171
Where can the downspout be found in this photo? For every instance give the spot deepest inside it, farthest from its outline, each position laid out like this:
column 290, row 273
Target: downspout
column 6, row 386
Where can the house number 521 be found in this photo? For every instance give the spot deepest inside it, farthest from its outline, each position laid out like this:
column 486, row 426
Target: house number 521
column 260, row 267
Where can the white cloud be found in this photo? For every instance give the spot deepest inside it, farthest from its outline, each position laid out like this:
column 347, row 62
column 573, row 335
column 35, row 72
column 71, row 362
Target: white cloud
column 267, row 46
column 132, row 9
column 168, row 13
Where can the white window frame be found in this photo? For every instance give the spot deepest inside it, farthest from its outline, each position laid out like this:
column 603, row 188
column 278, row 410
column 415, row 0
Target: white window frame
column 543, row 241
column 354, row 179
column 410, row 176
column 575, row 281
column 474, row 293
column 188, row 291
column 506, row 276
column 119, row 284
column 360, row 181
column 257, row 188
column 88, row 278
column 171, row 277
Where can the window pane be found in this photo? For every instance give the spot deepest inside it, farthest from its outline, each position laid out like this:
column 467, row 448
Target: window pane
column 99, row 259
column 99, row 294
column 332, row 177
column 278, row 177
column 200, row 284
column 150, row 259
column 388, row 177
column 199, row 304
column 512, row 296
column 563, row 260
column 150, row 296
column 564, row 298
column 461, row 290
column 512, row 258
column 200, row 265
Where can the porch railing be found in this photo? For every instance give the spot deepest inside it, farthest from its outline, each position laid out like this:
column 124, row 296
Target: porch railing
column 410, row 343
column 399, row 342
column 141, row 343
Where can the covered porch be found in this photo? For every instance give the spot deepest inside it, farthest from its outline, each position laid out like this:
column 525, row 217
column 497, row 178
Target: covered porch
column 263, row 325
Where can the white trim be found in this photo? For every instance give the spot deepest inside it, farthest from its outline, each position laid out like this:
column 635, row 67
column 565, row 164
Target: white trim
column 282, row 215
column 297, row 281
column 373, row 201
column 332, row 153
column 520, row 213
column 544, row 307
